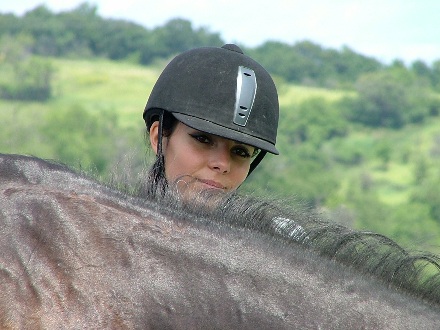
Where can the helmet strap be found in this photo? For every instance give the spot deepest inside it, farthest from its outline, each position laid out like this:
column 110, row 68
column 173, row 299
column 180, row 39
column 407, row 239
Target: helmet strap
column 257, row 161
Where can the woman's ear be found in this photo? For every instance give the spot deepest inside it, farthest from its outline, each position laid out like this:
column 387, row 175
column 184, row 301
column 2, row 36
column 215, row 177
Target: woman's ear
column 154, row 136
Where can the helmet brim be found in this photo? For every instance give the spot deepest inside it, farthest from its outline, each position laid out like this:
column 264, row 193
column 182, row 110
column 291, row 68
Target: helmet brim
column 215, row 129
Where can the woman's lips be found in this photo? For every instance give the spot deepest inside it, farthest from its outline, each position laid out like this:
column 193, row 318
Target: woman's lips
column 213, row 184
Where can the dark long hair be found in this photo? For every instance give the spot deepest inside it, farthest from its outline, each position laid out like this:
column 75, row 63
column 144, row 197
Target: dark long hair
column 157, row 183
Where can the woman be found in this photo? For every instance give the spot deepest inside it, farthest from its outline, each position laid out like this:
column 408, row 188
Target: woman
column 212, row 116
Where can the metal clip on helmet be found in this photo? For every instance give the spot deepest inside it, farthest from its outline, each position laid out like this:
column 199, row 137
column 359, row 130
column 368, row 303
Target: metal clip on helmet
column 219, row 91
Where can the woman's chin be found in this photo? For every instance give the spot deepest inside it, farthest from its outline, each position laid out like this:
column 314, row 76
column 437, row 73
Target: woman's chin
column 190, row 186
column 198, row 192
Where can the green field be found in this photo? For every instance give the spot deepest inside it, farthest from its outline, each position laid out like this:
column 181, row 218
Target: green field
column 105, row 86
column 94, row 121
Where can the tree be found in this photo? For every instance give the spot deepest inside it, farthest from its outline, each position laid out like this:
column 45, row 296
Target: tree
column 78, row 131
column 313, row 121
column 436, row 75
column 389, row 98
column 280, row 59
column 26, row 77
column 421, row 69
column 176, row 36
column 427, row 192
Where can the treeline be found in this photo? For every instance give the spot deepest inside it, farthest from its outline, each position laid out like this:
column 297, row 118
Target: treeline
column 82, row 32
column 386, row 95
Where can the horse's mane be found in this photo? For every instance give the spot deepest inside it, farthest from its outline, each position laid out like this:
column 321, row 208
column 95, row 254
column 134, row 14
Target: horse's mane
column 371, row 253
column 417, row 273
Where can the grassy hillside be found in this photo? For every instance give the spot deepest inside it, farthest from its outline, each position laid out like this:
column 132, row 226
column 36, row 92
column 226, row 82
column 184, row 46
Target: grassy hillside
column 379, row 180
column 95, row 91
column 105, row 86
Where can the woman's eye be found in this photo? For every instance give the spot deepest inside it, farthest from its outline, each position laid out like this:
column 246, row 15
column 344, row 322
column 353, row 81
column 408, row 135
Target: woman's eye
column 242, row 152
column 201, row 138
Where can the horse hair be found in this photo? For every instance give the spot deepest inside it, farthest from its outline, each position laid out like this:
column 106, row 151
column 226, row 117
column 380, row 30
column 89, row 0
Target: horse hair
column 371, row 253
column 417, row 274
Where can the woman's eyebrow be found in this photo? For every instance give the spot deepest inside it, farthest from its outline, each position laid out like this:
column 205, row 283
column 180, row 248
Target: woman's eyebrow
column 245, row 145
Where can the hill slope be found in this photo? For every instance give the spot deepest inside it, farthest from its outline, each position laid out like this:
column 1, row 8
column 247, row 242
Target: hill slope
column 378, row 179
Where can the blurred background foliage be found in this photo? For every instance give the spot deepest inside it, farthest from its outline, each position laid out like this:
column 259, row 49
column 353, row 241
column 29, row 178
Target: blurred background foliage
column 359, row 140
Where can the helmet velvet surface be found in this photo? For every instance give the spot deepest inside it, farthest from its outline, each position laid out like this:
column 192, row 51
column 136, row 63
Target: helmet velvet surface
column 201, row 87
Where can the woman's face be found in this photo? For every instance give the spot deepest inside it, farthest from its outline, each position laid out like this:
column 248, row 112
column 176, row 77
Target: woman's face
column 198, row 161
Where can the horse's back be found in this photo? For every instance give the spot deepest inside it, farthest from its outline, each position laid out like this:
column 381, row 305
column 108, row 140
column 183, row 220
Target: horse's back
column 78, row 255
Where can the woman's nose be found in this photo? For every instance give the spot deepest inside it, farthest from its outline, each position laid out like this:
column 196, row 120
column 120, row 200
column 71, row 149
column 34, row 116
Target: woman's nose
column 220, row 160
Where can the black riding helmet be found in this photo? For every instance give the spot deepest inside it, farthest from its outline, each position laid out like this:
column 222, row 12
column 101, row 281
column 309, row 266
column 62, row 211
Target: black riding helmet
column 219, row 91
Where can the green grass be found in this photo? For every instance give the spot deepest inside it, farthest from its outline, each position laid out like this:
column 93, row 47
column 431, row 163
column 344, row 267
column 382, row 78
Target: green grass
column 294, row 94
column 18, row 133
column 392, row 182
column 107, row 88
column 394, row 179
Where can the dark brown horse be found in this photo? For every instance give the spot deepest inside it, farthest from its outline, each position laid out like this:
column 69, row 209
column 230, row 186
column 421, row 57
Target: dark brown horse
column 78, row 255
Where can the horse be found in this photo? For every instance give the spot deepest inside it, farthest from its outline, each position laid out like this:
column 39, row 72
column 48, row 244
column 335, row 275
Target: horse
column 77, row 253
